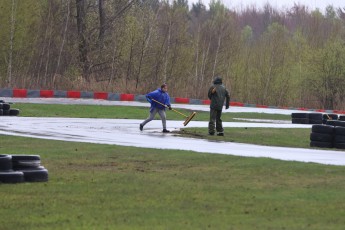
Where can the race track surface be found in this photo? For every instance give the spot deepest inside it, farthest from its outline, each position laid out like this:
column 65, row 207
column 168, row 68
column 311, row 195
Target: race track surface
column 126, row 132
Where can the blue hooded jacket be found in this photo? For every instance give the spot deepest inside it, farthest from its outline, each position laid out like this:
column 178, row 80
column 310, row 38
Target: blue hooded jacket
column 158, row 95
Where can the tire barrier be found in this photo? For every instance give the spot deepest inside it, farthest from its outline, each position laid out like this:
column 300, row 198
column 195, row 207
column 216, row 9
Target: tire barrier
column 300, row 118
column 322, row 136
column 336, row 123
column 22, row 168
column 341, row 118
column 6, row 110
column 11, row 177
column 314, row 118
column 330, row 135
column 339, row 138
column 5, row 163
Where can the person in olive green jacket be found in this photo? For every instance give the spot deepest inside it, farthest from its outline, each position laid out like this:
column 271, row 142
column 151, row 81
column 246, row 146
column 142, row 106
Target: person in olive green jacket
column 218, row 94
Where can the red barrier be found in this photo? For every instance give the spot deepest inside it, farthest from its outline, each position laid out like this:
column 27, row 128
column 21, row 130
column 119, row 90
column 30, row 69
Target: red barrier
column 100, row 95
column 126, row 97
column 283, row 107
column 234, row 103
column 206, row 102
column 23, row 93
column 20, row 93
column 182, row 100
column 73, row 94
column 339, row 111
column 262, row 106
column 46, row 93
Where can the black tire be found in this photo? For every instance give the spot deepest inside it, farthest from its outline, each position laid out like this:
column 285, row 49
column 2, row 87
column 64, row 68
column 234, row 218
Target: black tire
column 339, row 130
column 14, row 112
column 328, row 129
column 320, row 144
column 6, row 112
column 322, row 137
column 11, row 177
column 6, row 106
column 300, row 121
column 339, row 139
column 336, row 123
column 25, row 161
column 5, row 162
column 312, row 121
column 315, row 116
column 339, row 145
column 341, row 118
column 39, row 174
column 299, row 115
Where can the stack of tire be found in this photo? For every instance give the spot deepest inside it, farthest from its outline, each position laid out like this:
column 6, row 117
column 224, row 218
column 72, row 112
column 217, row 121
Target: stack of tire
column 6, row 110
column 341, row 118
column 315, row 118
column 300, row 118
column 339, row 137
column 329, row 135
column 22, row 168
column 339, row 133
column 312, row 118
column 322, row 136
column 307, row 118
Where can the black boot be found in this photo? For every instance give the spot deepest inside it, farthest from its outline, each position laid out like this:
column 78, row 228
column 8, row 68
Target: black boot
column 166, row 131
column 141, row 127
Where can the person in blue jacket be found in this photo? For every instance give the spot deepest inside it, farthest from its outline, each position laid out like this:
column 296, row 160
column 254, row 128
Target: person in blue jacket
column 161, row 95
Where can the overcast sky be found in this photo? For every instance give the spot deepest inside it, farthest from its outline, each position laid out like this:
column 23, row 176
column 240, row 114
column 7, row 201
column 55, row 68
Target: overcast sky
column 277, row 4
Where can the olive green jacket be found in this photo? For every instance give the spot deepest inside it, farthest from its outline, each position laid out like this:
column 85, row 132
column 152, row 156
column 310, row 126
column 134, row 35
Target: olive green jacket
column 218, row 94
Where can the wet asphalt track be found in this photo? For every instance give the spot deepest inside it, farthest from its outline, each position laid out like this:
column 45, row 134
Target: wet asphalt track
column 126, row 132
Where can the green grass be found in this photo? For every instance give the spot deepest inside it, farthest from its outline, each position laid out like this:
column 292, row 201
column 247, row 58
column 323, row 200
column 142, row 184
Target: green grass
column 94, row 186
column 129, row 112
column 291, row 137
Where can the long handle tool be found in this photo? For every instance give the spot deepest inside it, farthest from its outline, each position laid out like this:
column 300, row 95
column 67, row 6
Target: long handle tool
column 188, row 118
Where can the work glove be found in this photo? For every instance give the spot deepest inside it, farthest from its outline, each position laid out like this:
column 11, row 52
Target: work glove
column 169, row 106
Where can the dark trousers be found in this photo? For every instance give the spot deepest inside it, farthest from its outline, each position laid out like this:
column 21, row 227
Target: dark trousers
column 215, row 121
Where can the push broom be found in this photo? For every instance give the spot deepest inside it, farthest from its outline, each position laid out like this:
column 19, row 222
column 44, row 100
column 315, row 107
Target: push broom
column 188, row 118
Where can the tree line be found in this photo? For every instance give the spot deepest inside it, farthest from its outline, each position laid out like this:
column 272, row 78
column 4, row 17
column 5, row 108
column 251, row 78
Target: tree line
column 292, row 57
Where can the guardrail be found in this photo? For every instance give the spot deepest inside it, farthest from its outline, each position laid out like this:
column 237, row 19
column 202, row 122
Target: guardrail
column 28, row 93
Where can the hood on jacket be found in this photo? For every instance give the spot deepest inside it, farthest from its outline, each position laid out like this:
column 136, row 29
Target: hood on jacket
column 217, row 80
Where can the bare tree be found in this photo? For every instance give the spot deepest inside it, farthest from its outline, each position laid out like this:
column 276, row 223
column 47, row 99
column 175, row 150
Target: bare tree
column 13, row 22
column 63, row 40
column 83, row 46
column 102, row 23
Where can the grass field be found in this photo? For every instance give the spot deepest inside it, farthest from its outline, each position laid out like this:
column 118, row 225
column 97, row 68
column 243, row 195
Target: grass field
column 128, row 112
column 93, row 186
